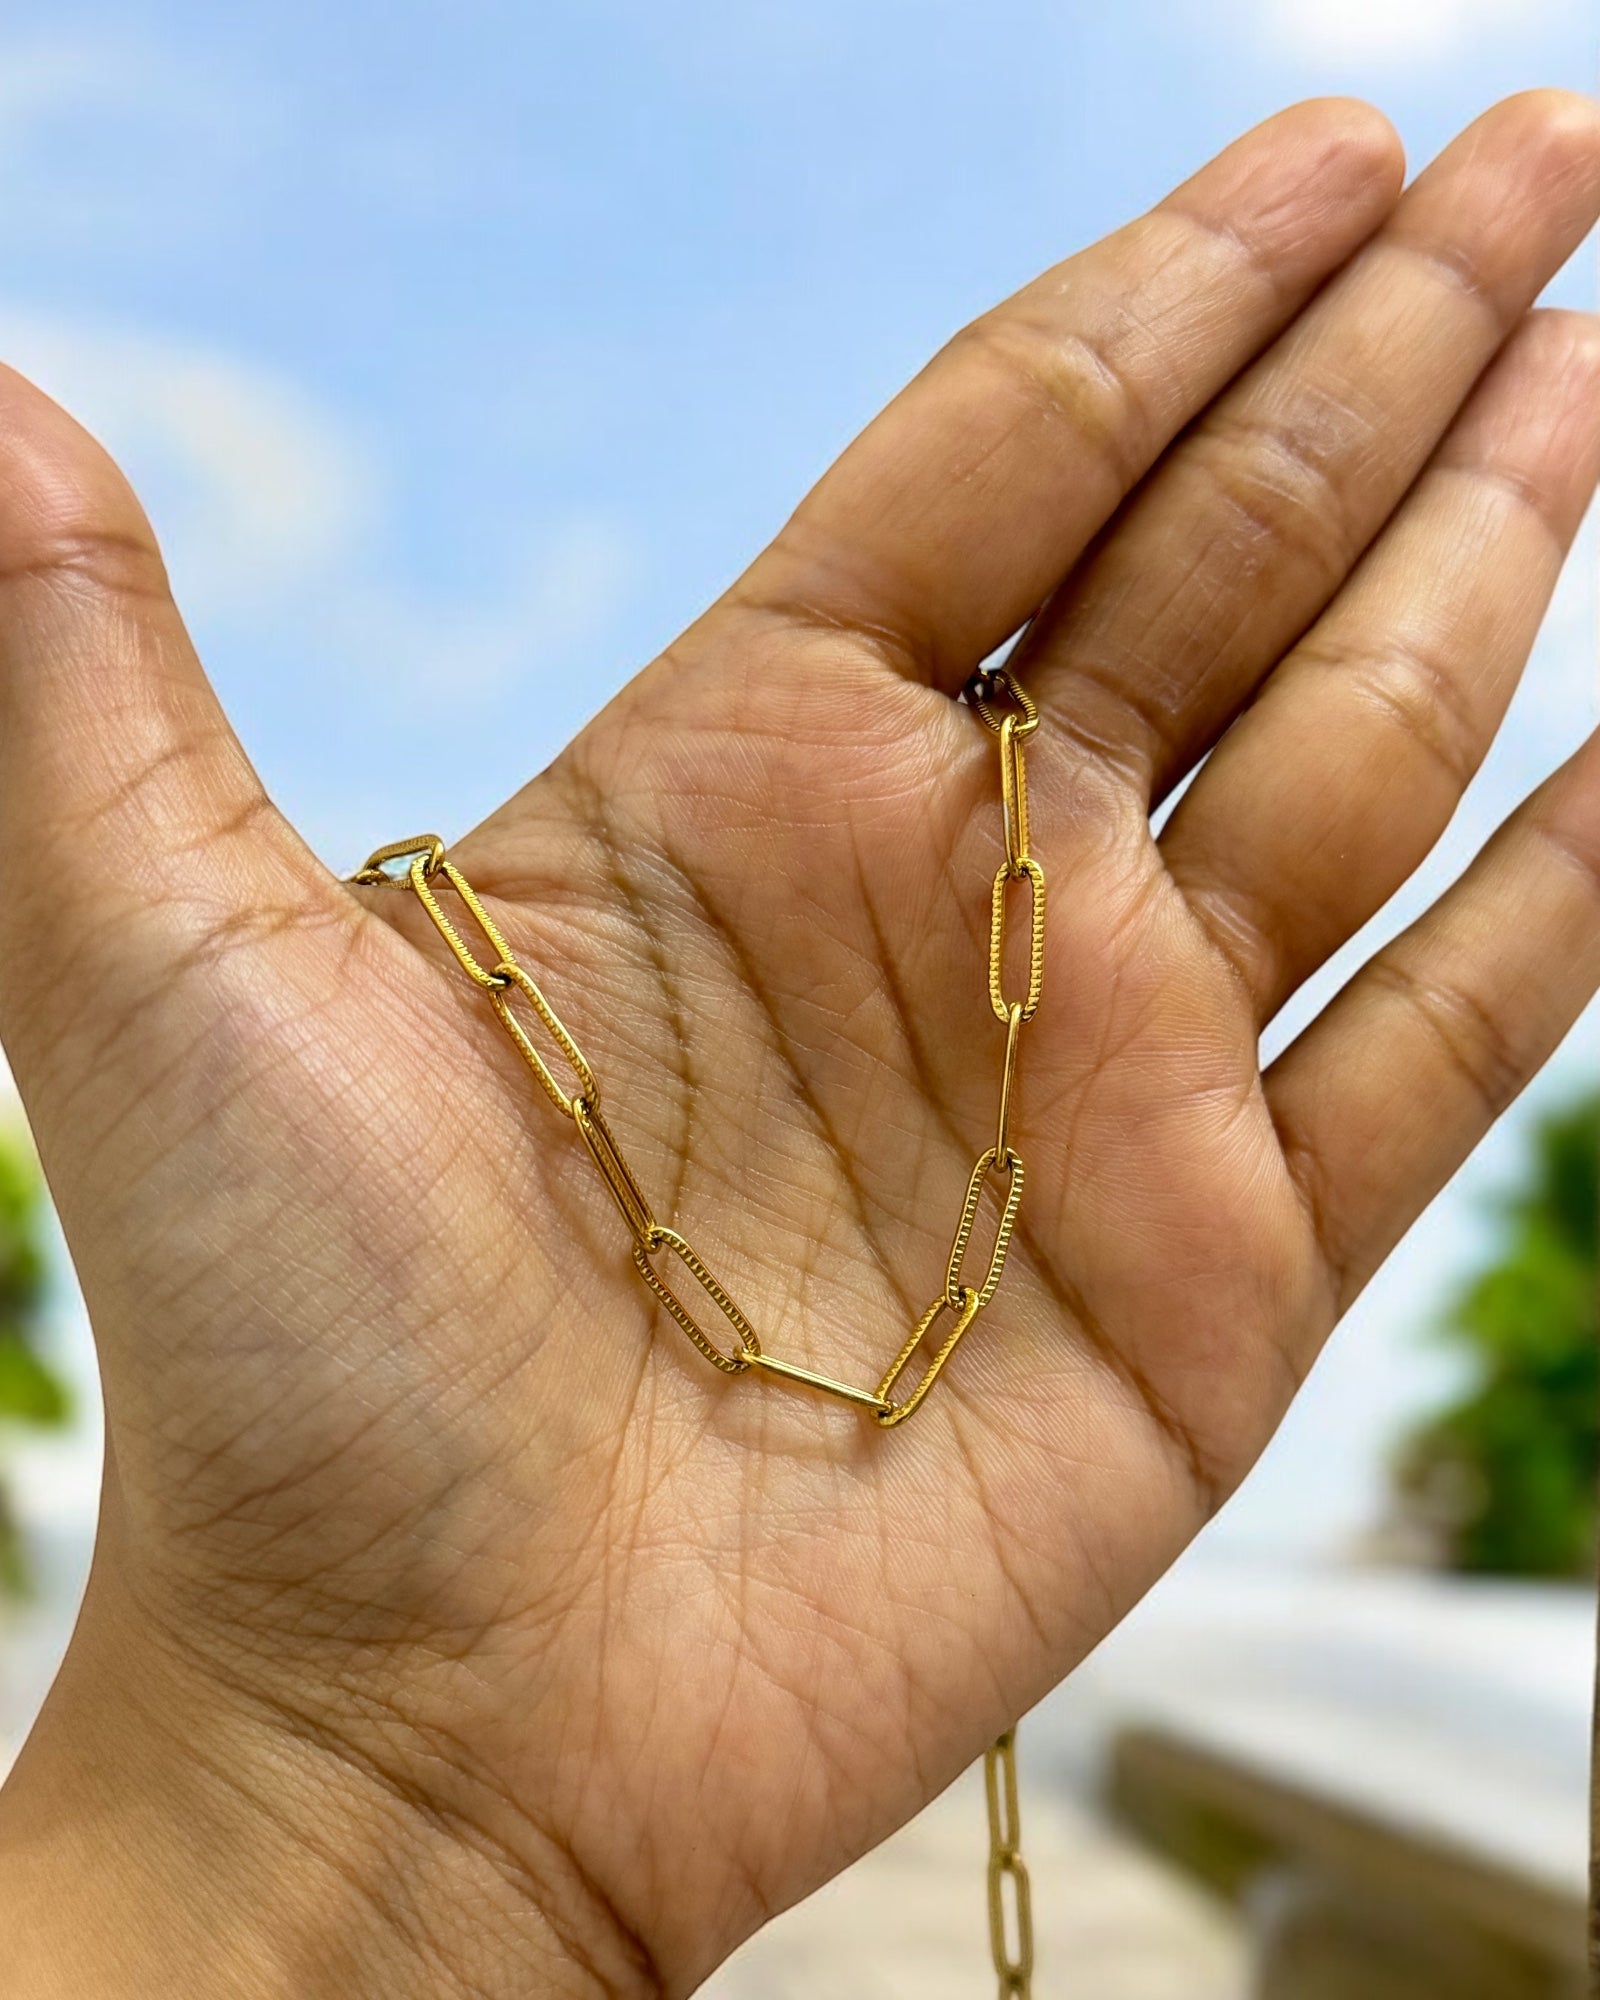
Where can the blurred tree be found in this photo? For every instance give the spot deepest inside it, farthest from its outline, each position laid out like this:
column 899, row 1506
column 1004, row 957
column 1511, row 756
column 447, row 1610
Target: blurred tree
column 29, row 1392
column 1505, row 1477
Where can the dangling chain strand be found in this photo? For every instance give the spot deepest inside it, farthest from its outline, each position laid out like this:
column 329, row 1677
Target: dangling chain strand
column 737, row 1349
column 1014, row 1969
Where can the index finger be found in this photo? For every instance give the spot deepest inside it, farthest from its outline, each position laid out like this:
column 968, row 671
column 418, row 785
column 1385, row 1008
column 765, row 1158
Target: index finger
column 953, row 516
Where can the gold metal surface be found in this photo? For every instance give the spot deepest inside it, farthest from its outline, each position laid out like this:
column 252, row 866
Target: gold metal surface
column 1013, row 1965
column 1011, row 1167
column 749, row 1346
column 1013, row 795
column 421, row 883
column 868, row 1398
column 375, row 875
column 965, row 1313
column 614, row 1170
column 1008, row 1077
column 983, row 690
column 1030, row 870
column 510, row 975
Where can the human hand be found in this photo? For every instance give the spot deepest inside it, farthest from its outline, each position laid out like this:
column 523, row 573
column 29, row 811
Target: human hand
column 454, row 1627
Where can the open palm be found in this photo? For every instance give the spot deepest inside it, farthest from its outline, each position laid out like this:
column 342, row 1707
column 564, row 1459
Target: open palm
column 455, row 1626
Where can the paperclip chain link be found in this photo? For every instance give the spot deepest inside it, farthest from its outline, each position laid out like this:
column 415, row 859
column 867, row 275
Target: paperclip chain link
column 1013, row 1967
column 1008, row 712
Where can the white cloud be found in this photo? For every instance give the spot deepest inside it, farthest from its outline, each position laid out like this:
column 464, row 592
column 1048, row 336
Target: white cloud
column 1394, row 31
column 253, row 488
column 270, row 510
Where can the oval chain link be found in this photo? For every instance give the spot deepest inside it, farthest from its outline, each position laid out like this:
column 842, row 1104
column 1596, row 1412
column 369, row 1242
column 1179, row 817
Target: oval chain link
column 749, row 1346
column 614, row 1170
column 1013, row 795
column 966, row 1309
column 1006, row 709
column 512, row 976
column 1027, row 870
column 1011, row 1166
column 421, row 879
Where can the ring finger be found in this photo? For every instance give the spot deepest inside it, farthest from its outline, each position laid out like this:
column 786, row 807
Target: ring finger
column 1261, row 510
column 1327, row 793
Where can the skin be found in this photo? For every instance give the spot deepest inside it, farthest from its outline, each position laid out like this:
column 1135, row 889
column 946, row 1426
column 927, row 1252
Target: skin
column 455, row 1629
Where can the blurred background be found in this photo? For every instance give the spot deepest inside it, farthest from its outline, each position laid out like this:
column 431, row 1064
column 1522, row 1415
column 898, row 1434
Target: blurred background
column 461, row 352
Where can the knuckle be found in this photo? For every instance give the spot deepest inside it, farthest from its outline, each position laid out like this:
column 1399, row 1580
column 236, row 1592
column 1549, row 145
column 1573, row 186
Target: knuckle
column 89, row 556
column 1522, row 492
column 1070, row 376
column 1326, row 1211
column 1459, row 266
column 1278, row 480
column 1415, row 688
column 1217, row 234
column 1241, row 927
column 1470, row 1037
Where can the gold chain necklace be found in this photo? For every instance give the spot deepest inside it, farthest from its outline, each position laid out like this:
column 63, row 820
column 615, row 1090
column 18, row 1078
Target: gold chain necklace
column 426, row 862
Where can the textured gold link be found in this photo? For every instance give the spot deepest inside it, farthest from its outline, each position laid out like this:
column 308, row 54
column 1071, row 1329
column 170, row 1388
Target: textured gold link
column 984, row 689
column 954, row 1290
column 749, row 1347
column 614, row 1170
column 481, row 974
column 1013, row 1968
column 966, row 1312
column 1008, row 1077
column 508, row 975
column 1013, row 794
column 374, row 875
column 1030, row 869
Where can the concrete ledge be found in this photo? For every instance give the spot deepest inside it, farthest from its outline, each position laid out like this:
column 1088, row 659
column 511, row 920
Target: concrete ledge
column 1346, row 1904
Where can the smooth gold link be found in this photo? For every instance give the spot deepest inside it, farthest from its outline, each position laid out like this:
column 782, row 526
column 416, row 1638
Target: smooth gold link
column 966, row 1313
column 508, row 975
column 1014, row 794
column 749, row 1346
column 1013, row 1969
column 374, row 875
column 808, row 1378
column 1000, row 1790
column 954, row 1290
column 1008, row 1077
column 614, row 1170
column 983, row 689
column 997, row 939
column 481, row 974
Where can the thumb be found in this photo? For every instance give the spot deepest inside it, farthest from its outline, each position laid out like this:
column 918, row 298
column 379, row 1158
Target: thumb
column 133, row 825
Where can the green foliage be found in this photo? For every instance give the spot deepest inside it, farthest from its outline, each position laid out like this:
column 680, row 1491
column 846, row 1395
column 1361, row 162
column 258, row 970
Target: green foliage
column 1506, row 1476
column 29, row 1392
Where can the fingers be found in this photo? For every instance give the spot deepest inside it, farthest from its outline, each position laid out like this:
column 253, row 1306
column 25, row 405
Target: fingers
column 1383, row 1097
column 955, row 514
column 120, row 780
column 1330, row 790
column 1242, row 535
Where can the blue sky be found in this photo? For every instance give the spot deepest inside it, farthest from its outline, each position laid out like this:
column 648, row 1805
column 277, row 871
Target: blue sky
column 462, row 351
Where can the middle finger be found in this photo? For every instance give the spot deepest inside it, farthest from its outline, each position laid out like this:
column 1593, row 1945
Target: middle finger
column 1243, row 532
